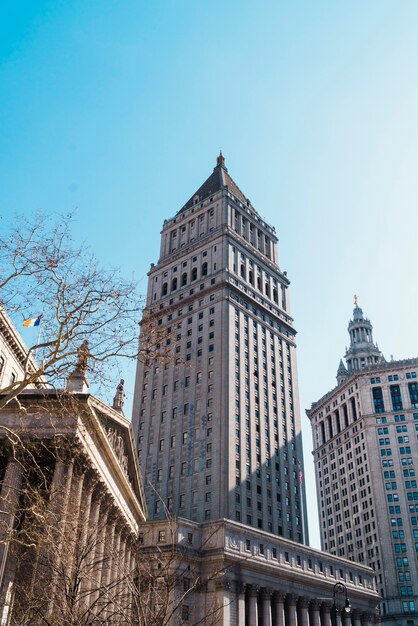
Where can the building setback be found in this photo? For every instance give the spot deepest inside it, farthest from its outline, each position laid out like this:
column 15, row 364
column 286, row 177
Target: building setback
column 218, row 427
column 365, row 453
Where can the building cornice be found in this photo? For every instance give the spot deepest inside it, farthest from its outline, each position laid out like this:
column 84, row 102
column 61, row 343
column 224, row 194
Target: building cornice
column 385, row 366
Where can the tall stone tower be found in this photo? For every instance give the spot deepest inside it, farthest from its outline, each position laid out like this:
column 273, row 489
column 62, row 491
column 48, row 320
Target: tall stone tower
column 365, row 454
column 218, row 428
column 362, row 351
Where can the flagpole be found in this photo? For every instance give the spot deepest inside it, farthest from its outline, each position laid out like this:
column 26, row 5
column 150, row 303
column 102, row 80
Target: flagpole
column 38, row 338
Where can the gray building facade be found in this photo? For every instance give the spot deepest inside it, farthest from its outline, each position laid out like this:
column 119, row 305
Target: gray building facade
column 218, row 426
column 365, row 453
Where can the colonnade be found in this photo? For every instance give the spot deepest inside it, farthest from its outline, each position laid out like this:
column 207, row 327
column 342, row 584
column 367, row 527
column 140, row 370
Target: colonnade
column 81, row 533
column 258, row 606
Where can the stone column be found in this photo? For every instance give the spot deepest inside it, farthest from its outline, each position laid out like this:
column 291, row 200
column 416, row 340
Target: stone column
column 346, row 618
column 303, row 606
column 93, row 559
column 56, row 519
column 326, row 614
column 86, row 509
column 366, row 619
column 278, row 604
column 266, row 603
column 356, row 618
column 240, row 591
column 291, row 610
column 337, row 617
column 252, row 593
column 121, row 572
column 115, row 559
column 315, row 613
column 72, row 545
column 107, row 553
column 9, row 503
column 223, row 599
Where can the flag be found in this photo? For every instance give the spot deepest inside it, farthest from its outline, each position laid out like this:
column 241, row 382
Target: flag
column 300, row 473
column 34, row 321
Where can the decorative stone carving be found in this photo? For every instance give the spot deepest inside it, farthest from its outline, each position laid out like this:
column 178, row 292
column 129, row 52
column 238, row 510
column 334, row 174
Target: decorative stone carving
column 120, row 396
column 118, row 445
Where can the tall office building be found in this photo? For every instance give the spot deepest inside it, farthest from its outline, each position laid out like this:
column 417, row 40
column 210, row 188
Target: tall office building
column 366, row 454
column 218, row 427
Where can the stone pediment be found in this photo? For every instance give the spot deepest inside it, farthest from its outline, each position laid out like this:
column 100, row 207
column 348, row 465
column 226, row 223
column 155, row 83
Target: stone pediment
column 118, row 433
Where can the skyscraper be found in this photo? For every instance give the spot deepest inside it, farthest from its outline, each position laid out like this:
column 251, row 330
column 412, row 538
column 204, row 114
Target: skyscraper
column 365, row 453
column 218, row 427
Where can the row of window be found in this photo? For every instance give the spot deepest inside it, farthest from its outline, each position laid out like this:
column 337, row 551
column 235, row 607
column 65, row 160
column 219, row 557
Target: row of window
column 396, row 397
column 393, row 378
column 246, row 229
column 196, row 227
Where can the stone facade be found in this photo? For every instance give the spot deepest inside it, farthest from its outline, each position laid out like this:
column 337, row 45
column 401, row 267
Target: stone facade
column 252, row 578
column 71, row 500
column 218, row 427
column 71, row 497
column 13, row 354
column 365, row 452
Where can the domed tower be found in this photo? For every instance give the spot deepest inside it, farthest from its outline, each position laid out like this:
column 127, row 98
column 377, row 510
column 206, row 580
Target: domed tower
column 362, row 351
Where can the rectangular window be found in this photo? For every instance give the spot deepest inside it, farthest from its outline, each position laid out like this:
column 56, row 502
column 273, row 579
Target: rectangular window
column 379, row 405
column 413, row 394
column 395, row 393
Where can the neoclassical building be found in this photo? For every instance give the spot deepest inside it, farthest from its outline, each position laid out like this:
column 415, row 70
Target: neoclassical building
column 71, row 503
column 365, row 434
column 254, row 578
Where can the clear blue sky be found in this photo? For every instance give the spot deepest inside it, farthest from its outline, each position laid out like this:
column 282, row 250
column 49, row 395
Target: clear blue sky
column 118, row 109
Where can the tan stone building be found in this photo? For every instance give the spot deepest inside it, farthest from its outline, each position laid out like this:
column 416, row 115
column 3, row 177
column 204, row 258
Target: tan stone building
column 13, row 354
column 218, row 428
column 71, row 502
column 366, row 453
column 254, row 578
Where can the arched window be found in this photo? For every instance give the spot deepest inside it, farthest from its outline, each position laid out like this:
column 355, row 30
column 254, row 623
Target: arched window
column 174, row 284
column 184, row 279
column 267, row 290
column 242, row 269
column 194, row 273
column 259, row 287
column 204, row 269
column 251, row 277
column 164, row 289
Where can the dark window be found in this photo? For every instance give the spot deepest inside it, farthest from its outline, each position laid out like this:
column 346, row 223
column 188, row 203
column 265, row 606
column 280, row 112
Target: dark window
column 413, row 393
column 379, row 405
column 395, row 392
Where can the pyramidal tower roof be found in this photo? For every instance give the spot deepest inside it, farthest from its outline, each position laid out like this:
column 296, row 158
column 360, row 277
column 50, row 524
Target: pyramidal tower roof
column 219, row 179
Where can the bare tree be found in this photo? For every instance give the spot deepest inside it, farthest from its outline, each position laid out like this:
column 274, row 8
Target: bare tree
column 43, row 272
column 66, row 574
column 173, row 578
